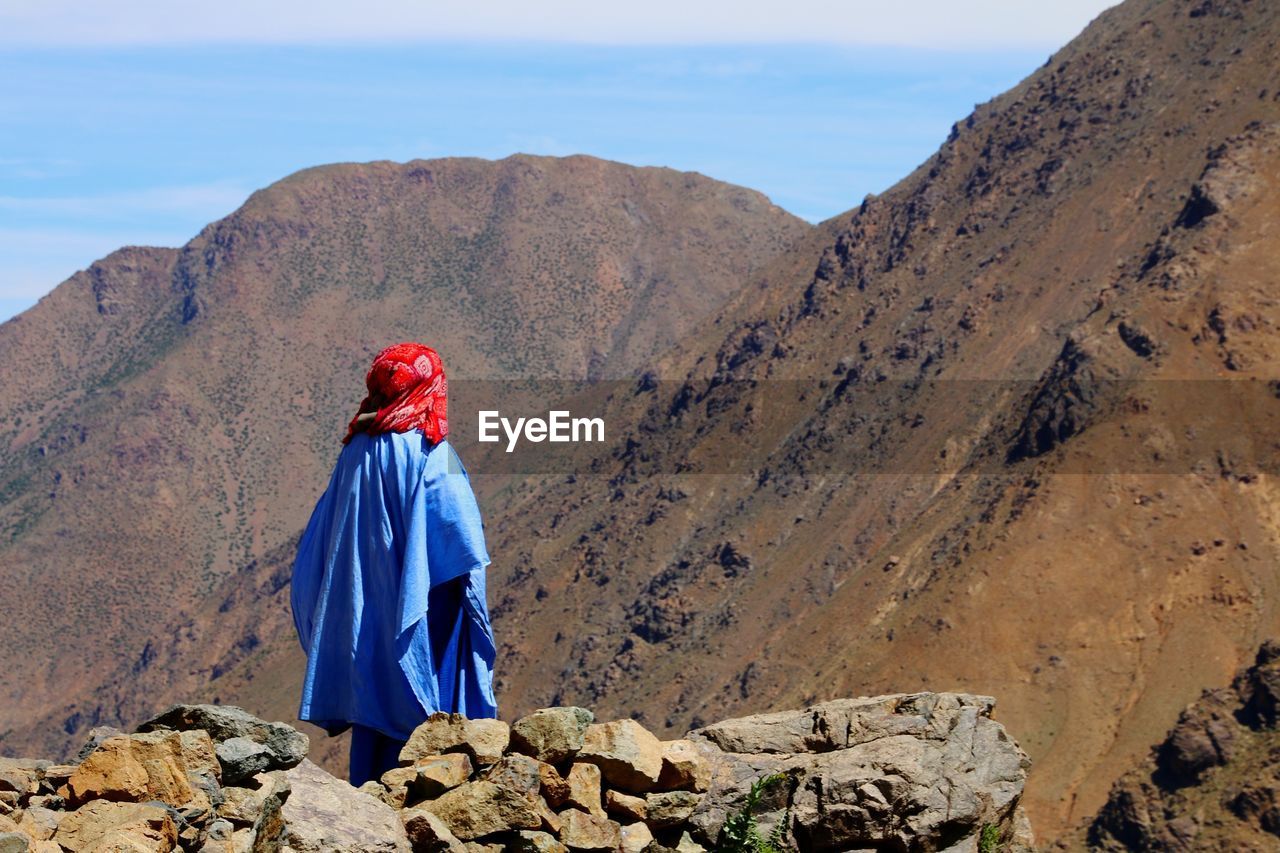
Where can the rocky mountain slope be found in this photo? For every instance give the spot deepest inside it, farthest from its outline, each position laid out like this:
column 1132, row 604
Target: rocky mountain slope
column 1214, row 782
column 1009, row 427
column 910, row 772
column 170, row 416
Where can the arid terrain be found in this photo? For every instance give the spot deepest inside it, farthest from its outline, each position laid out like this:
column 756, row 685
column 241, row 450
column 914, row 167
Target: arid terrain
column 1009, row 428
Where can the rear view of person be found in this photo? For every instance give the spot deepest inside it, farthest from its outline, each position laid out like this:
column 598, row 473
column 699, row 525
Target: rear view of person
column 389, row 581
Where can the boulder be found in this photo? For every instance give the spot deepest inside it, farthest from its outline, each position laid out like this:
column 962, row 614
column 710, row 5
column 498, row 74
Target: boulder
column 97, row 735
column 435, row 774
column 322, row 814
column 483, row 740
column 482, row 808
column 40, row 823
column 635, row 838
column 628, row 755
column 14, row 842
column 582, row 831
column 428, row 833
column 553, row 735
column 555, row 788
column 517, row 773
column 669, row 808
column 240, row 805
column 584, row 788
column 532, row 841
column 287, row 745
column 684, row 768
column 625, row 806
column 107, row 827
column 241, row 758
column 911, row 771
column 20, row 775
column 177, row 768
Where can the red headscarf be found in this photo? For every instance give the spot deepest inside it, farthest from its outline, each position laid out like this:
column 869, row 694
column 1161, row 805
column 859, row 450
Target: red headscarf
column 407, row 390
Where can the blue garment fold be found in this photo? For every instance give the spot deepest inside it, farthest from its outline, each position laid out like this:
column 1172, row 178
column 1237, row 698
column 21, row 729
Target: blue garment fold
column 389, row 590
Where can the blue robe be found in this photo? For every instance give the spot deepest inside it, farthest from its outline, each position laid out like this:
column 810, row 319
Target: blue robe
column 389, row 590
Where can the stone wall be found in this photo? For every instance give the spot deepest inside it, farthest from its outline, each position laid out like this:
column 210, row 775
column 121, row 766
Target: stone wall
column 917, row 772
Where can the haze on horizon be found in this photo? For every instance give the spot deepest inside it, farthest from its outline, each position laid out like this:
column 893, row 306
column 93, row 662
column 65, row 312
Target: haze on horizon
column 139, row 124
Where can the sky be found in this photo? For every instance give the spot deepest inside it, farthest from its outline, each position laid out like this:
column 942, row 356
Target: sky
column 138, row 122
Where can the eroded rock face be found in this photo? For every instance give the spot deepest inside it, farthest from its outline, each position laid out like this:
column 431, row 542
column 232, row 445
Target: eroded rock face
column 912, row 771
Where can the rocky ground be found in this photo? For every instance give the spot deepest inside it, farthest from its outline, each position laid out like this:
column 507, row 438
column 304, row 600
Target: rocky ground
column 917, row 772
column 1214, row 782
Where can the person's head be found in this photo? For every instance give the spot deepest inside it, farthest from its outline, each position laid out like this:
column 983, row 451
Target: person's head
column 407, row 390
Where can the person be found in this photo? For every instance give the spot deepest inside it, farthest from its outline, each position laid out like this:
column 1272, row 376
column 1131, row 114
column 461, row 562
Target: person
column 389, row 581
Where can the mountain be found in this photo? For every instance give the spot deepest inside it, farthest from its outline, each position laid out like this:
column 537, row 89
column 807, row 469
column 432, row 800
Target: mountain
column 1008, row 428
column 1015, row 430
column 170, row 416
column 1214, row 782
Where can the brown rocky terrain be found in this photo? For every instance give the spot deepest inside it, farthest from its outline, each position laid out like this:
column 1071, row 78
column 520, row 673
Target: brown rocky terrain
column 170, row 416
column 919, row 772
column 1214, row 782
column 1008, row 428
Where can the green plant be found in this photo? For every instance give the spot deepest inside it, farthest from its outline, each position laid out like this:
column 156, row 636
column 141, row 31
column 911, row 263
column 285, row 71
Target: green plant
column 989, row 838
column 740, row 834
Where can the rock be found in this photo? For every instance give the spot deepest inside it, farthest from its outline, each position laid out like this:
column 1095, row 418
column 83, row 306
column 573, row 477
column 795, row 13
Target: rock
column 47, row 801
column 550, row 820
column 106, row 827
column 287, row 745
column 915, row 771
column 533, row 841
column 20, row 775
column 14, row 842
column 553, row 735
column 684, row 768
column 478, row 847
column 686, row 844
column 97, row 735
column 267, row 835
column 582, row 831
column 241, row 758
column 483, row 740
column 429, row 834
column 518, row 773
column 240, row 805
column 584, row 788
column 40, row 823
column 669, row 808
column 628, row 755
column 323, row 814
column 625, row 806
column 555, row 788
column 177, row 768
column 435, row 774
column 56, row 775
column 481, row 808
column 635, row 838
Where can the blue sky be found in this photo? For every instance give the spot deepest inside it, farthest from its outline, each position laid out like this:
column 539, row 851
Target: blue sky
column 132, row 135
